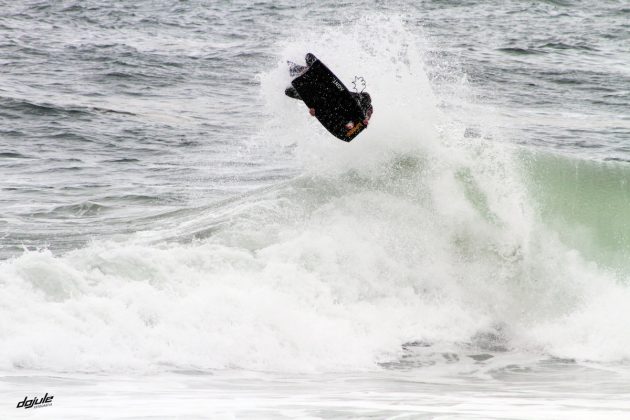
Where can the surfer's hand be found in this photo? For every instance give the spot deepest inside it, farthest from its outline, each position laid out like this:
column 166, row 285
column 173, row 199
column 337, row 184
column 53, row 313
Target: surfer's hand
column 367, row 120
column 311, row 111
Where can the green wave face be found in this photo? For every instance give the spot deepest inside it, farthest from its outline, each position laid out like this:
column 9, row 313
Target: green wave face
column 586, row 202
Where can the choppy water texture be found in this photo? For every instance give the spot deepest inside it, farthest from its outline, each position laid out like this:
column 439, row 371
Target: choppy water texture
column 179, row 238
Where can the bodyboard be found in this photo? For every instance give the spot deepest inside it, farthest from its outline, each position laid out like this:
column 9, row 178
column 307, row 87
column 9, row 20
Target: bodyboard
column 334, row 104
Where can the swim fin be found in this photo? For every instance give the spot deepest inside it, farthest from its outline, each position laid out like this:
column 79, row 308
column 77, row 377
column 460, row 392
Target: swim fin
column 295, row 69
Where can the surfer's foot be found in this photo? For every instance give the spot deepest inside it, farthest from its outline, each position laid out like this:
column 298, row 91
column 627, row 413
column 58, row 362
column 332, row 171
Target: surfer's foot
column 311, row 111
column 310, row 59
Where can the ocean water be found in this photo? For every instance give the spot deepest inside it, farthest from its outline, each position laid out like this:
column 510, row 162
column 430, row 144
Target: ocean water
column 178, row 239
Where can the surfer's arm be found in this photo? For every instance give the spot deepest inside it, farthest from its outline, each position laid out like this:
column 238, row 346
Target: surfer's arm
column 369, row 115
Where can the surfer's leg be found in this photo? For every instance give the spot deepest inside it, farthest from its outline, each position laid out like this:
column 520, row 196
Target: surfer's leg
column 292, row 93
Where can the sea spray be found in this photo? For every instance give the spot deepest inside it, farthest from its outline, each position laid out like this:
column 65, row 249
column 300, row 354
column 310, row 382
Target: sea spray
column 414, row 236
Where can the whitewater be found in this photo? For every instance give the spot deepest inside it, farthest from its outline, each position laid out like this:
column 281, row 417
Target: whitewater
column 179, row 239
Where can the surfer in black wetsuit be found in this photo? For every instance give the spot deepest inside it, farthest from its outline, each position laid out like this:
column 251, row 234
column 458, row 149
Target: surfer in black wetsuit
column 363, row 98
